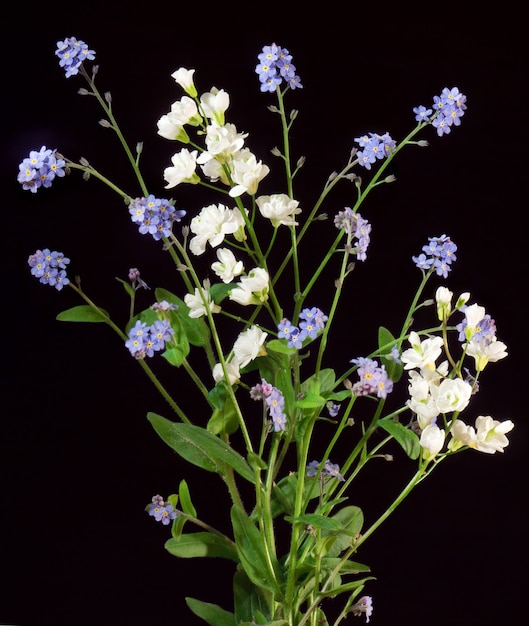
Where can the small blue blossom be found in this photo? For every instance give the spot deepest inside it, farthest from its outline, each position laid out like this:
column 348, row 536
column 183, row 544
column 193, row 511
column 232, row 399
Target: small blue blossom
column 374, row 147
column 353, row 223
column 448, row 107
column 40, row 168
column 274, row 67
column 422, row 114
column 145, row 340
column 274, row 401
column 49, row 267
column 439, row 254
column 161, row 511
column 72, row 52
column 328, row 469
column 374, row 379
column 154, row 216
column 485, row 332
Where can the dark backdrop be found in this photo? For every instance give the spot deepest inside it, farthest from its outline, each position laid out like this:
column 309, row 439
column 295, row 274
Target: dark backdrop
column 79, row 459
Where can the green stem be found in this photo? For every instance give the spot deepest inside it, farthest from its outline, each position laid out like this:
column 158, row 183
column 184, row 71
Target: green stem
column 164, row 393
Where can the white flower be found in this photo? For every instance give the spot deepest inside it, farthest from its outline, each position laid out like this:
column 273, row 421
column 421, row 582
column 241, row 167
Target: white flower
column 221, row 143
column 198, row 301
column 232, row 369
column 432, row 441
column 421, row 401
column 215, row 104
column 422, row 354
column 183, row 169
column 227, row 266
column 462, row 435
column 214, row 170
column 184, row 78
column 211, row 225
column 484, row 352
column 249, row 345
column 279, row 209
column 490, row 434
column 443, row 297
column 246, row 173
column 169, row 128
column 452, row 395
column 462, row 300
column 252, row 289
column 473, row 314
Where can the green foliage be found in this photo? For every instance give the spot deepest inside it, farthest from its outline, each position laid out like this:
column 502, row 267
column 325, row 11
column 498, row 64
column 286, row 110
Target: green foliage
column 82, row 313
column 200, row 447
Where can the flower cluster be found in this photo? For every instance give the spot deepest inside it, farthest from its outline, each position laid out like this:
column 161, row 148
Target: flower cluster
column 154, row 216
column 244, row 230
column 357, row 228
column 312, row 322
column 275, row 66
column 315, row 468
column 439, row 253
column 49, row 267
column 145, row 340
column 274, row 402
column 161, row 511
column 449, row 108
column 374, row 379
column 40, row 168
column 374, row 148
column 72, row 53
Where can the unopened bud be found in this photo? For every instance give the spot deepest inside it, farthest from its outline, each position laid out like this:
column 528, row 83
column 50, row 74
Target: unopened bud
column 390, row 179
column 293, row 114
column 105, row 123
column 388, row 457
column 108, row 97
column 83, row 92
column 422, row 143
column 139, row 147
column 301, row 161
column 276, row 151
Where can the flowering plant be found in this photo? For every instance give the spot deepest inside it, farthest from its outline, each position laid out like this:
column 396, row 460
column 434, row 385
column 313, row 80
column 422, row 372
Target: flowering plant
column 252, row 335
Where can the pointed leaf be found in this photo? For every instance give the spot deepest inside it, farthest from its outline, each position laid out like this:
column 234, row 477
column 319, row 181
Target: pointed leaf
column 249, row 600
column 185, row 499
column 252, row 554
column 213, row 614
column 407, row 439
column 81, row 313
column 200, row 447
column 201, row 544
column 393, row 369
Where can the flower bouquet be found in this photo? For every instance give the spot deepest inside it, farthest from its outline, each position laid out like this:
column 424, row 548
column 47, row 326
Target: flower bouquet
column 246, row 324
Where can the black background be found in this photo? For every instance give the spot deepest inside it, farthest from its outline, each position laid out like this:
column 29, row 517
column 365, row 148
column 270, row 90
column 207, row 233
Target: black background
column 79, row 459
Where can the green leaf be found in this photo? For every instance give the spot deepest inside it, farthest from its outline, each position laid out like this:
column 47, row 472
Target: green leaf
column 195, row 329
column 330, row 524
column 310, row 400
column 201, row 544
column 407, row 439
column 174, row 355
column 213, row 614
column 220, row 291
column 280, row 346
column 185, row 499
column 200, row 447
column 127, row 286
column 346, row 588
column 351, row 518
column 224, row 419
column 249, row 600
column 81, row 313
column 393, row 369
column 252, row 554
